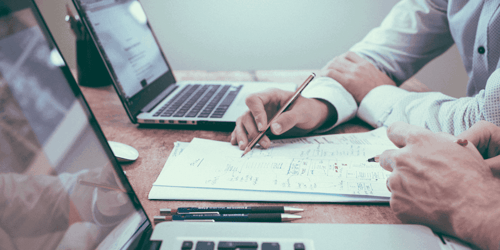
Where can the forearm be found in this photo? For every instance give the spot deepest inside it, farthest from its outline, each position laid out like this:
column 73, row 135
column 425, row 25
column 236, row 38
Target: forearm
column 432, row 110
column 412, row 34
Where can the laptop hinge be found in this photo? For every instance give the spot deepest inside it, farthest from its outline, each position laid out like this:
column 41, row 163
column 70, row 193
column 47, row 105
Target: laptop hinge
column 159, row 98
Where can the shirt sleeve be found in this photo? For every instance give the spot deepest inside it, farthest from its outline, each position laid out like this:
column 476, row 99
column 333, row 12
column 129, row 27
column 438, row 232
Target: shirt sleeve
column 329, row 90
column 412, row 34
column 432, row 110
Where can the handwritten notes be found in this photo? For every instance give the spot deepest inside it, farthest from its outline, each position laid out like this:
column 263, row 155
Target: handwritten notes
column 331, row 164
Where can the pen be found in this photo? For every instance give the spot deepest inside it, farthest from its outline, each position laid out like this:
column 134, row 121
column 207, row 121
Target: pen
column 288, row 103
column 229, row 217
column 461, row 142
column 231, row 210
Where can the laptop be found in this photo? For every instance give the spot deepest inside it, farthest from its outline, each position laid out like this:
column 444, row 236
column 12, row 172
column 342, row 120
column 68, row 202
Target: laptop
column 143, row 78
column 62, row 187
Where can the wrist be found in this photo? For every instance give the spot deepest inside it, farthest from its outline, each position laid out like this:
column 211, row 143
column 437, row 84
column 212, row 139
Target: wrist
column 329, row 115
column 479, row 224
column 488, row 236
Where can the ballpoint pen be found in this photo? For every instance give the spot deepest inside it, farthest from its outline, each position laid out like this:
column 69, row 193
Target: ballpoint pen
column 288, row 103
column 230, row 210
column 229, row 217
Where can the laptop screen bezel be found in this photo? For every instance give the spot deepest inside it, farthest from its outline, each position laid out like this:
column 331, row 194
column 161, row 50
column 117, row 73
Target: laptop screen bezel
column 133, row 105
column 17, row 5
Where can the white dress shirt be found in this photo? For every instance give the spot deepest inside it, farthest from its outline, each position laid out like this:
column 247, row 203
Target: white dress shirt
column 414, row 33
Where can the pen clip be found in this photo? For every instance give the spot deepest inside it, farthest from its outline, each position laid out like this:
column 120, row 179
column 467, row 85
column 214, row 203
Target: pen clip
column 208, row 213
column 197, row 221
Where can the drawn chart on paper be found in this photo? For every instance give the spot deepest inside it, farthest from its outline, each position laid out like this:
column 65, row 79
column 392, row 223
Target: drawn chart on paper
column 302, row 166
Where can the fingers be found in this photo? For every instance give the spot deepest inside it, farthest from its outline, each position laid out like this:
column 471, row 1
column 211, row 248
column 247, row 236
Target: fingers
column 386, row 160
column 401, row 133
column 245, row 130
column 485, row 136
column 353, row 57
column 251, row 123
column 394, row 182
column 494, row 164
column 264, row 105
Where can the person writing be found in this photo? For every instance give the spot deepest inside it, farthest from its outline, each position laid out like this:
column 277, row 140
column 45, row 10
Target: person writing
column 450, row 188
column 364, row 81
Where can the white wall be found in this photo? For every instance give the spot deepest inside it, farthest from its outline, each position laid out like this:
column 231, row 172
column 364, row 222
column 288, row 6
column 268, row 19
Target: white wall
column 258, row 35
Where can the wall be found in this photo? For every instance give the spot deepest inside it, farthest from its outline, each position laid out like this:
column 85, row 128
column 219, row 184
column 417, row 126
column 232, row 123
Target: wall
column 258, row 34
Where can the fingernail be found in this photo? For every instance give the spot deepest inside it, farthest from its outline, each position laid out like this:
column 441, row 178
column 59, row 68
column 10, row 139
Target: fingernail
column 461, row 142
column 264, row 144
column 259, row 126
column 276, row 128
column 240, row 143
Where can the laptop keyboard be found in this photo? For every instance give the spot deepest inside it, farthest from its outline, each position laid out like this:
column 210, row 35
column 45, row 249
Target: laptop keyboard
column 228, row 245
column 203, row 101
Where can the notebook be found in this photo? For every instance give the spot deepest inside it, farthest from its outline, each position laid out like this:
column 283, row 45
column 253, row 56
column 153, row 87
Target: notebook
column 143, row 78
column 62, row 187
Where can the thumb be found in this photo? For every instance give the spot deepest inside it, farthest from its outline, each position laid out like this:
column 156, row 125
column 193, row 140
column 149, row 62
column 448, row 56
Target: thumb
column 284, row 122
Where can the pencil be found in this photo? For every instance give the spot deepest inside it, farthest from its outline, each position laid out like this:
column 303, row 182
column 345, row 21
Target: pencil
column 288, row 103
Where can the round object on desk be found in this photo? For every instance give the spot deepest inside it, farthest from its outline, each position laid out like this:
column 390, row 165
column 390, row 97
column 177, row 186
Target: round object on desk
column 123, row 152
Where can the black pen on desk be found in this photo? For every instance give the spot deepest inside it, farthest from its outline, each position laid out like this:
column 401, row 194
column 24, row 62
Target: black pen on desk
column 461, row 142
column 229, row 217
column 231, row 210
column 288, row 103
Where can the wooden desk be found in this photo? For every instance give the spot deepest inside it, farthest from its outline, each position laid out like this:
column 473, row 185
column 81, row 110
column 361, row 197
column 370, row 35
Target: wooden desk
column 155, row 144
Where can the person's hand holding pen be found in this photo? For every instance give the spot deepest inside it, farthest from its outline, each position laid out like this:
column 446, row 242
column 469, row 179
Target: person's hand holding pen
column 439, row 183
column 304, row 115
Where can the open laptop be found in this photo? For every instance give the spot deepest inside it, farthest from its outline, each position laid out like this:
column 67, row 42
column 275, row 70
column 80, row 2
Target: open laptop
column 143, row 78
column 62, row 187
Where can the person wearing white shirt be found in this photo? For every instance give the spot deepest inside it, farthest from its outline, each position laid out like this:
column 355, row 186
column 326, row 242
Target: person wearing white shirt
column 364, row 81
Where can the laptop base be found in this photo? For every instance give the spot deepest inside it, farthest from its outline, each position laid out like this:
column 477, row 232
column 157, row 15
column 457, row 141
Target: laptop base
column 312, row 236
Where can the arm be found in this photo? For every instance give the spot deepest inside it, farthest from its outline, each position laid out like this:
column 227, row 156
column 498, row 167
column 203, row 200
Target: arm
column 412, row 34
column 460, row 196
column 434, row 111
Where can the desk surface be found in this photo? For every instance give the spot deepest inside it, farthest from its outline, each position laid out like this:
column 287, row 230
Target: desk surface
column 155, row 144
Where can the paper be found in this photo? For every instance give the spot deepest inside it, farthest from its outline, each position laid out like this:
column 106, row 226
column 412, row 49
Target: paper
column 320, row 165
column 165, row 192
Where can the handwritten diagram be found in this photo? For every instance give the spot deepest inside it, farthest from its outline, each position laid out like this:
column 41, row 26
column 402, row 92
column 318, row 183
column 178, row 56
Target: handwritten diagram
column 303, row 166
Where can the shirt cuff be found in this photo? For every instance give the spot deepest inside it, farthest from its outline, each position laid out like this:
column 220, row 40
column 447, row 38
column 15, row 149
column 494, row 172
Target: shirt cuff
column 327, row 89
column 377, row 104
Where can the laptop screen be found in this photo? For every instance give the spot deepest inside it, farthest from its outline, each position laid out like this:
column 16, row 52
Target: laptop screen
column 60, row 184
column 129, row 48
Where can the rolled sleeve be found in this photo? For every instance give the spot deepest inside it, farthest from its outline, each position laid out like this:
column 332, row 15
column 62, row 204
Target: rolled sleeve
column 329, row 90
column 377, row 104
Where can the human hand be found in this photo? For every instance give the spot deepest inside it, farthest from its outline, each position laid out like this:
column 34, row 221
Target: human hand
column 355, row 74
column 486, row 137
column 303, row 116
column 440, row 184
